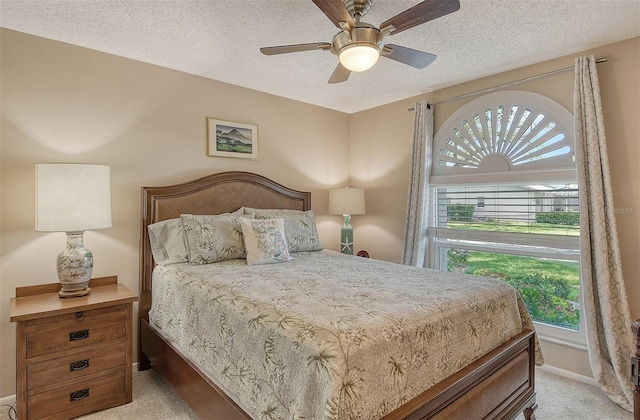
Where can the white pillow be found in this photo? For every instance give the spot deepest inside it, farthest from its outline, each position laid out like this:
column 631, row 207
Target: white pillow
column 167, row 242
column 265, row 241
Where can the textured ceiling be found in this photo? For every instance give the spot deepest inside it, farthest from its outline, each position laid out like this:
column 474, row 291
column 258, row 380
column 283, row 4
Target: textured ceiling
column 220, row 39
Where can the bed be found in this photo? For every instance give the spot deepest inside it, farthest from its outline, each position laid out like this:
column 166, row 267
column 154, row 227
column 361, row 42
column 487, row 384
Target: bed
column 499, row 383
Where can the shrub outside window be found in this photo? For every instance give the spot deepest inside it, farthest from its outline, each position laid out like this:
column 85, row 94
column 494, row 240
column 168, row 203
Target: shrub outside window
column 521, row 235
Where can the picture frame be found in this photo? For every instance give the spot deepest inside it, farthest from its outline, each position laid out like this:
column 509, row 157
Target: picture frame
column 232, row 139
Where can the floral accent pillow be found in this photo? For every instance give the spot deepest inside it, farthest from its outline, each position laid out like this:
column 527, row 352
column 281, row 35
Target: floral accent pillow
column 299, row 227
column 265, row 240
column 213, row 238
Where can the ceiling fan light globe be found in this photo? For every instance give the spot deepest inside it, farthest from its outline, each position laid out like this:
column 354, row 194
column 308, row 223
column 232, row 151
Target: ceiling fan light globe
column 359, row 57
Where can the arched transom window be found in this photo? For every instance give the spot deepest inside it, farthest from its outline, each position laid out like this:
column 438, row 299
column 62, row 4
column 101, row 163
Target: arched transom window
column 510, row 132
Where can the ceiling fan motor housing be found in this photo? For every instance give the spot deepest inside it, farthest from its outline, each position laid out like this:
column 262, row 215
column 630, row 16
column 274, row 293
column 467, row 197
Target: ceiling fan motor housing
column 362, row 34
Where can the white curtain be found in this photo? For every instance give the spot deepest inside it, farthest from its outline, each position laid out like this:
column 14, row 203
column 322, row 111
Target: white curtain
column 415, row 230
column 606, row 308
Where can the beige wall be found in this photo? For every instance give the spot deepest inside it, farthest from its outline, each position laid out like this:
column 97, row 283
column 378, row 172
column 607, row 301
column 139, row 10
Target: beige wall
column 69, row 104
column 62, row 103
column 381, row 141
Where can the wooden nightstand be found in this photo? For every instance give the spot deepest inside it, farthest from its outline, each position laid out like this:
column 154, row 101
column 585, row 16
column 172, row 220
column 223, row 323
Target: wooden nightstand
column 74, row 355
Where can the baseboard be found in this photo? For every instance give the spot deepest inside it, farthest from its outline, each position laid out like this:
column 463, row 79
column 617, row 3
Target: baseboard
column 9, row 400
column 568, row 374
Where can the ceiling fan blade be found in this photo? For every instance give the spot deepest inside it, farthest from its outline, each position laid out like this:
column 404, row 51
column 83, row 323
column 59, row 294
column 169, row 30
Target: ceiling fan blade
column 414, row 58
column 421, row 13
column 340, row 74
column 336, row 12
column 284, row 49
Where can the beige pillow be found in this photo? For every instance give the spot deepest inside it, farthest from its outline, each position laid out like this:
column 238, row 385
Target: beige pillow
column 213, row 238
column 167, row 242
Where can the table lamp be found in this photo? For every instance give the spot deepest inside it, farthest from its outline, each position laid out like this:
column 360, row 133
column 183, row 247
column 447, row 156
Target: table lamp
column 346, row 201
column 72, row 198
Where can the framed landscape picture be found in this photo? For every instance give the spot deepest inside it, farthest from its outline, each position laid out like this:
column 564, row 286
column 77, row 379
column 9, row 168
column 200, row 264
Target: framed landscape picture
column 231, row 139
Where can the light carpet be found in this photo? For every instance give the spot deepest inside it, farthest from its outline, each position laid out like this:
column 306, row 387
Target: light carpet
column 558, row 398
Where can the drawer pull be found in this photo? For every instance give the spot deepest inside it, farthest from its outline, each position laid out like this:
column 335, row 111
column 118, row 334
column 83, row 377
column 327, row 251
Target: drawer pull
column 79, row 395
column 79, row 365
column 78, row 335
column 79, row 316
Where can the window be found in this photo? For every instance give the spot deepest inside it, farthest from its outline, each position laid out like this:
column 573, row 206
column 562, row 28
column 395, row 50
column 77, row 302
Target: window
column 504, row 203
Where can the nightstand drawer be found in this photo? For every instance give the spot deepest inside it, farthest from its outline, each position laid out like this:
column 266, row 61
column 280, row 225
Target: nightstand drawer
column 79, row 398
column 70, row 331
column 75, row 365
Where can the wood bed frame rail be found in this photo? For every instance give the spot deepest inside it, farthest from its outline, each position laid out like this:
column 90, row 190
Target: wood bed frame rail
column 499, row 385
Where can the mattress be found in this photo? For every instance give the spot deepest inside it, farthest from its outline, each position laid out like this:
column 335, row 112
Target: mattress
column 327, row 335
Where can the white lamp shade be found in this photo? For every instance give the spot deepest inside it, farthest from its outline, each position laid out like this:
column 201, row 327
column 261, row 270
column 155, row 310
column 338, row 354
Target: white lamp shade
column 72, row 197
column 358, row 57
column 346, row 201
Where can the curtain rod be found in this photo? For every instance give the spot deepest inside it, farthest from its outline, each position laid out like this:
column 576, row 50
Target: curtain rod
column 516, row 82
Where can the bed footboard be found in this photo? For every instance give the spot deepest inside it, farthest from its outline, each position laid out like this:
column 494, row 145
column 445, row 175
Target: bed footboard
column 500, row 385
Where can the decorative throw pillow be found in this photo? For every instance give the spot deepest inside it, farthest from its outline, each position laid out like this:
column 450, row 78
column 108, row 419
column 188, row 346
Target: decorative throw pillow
column 299, row 227
column 167, row 242
column 265, row 240
column 213, row 238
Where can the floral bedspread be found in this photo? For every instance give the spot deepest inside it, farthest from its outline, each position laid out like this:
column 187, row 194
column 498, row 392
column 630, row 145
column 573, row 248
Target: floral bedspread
column 330, row 336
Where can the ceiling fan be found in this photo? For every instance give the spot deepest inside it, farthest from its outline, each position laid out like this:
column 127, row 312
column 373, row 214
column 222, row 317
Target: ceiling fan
column 359, row 44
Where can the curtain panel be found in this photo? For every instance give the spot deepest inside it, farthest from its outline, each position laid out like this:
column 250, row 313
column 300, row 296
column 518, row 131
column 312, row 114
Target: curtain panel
column 415, row 230
column 606, row 308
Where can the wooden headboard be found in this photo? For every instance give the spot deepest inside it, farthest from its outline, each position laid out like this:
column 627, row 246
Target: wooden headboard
column 214, row 194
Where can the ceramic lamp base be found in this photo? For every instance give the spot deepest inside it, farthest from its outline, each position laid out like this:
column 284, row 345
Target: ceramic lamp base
column 75, row 266
column 346, row 236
